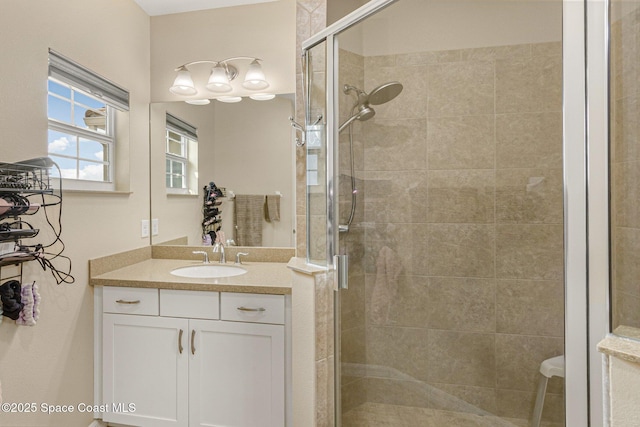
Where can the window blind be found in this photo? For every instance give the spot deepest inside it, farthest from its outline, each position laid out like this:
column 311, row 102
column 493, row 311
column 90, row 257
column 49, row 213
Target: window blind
column 66, row 70
column 181, row 126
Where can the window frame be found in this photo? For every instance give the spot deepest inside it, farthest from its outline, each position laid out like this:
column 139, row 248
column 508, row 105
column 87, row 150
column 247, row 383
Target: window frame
column 106, row 139
column 83, row 81
column 188, row 135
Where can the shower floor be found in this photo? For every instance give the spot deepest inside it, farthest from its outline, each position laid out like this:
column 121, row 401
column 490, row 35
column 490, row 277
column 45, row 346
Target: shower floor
column 383, row 415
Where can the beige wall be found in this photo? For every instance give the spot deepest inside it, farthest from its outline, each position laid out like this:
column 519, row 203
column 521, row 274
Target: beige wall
column 53, row 361
column 266, row 31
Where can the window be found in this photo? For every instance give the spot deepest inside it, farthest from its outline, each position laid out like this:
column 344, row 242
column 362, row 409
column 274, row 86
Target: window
column 180, row 136
column 82, row 112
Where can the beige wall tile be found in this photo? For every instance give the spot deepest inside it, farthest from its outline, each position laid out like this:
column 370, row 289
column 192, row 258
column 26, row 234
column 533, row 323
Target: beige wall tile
column 461, row 250
column 529, row 251
column 529, row 84
column 401, row 301
column 518, row 359
column 352, row 303
column 405, row 190
column 627, row 269
column 461, row 142
column 461, row 88
column 324, row 318
column 626, row 193
column 402, row 239
column 395, row 144
column 353, row 394
column 480, row 397
column 519, row 404
column 403, row 349
column 355, row 351
column 626, row 310
column 461, row 196
column 626, row 127
column 530, row 307
column 398, row 392
column 410, row 103
column 459, row 304
column 545, row 49
column 529, row 140
column 462, row 358
column 529, row 196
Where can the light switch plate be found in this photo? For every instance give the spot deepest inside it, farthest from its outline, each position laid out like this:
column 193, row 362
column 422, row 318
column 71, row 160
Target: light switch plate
column 155, row 226
column 144, row 228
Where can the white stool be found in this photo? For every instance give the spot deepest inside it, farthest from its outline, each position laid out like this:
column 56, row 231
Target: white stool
column 553, row 367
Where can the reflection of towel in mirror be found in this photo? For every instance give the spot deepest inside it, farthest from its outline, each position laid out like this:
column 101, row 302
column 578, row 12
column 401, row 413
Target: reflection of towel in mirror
column 272, row 208
column 248, row 220
column 388, row 268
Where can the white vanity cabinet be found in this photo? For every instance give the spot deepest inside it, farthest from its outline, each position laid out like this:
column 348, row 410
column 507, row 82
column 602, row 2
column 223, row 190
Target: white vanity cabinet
column 198, row 359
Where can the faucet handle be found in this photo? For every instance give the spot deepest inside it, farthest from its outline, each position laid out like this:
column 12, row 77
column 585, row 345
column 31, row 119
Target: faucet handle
column 238, row 255
column 206, row 256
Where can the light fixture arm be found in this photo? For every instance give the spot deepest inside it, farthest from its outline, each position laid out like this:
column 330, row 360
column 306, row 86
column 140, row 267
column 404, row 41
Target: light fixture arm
column 224, row 61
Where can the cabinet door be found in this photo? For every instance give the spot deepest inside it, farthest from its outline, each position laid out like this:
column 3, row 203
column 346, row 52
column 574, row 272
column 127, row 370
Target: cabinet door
column 143, row 366
column 236, row 374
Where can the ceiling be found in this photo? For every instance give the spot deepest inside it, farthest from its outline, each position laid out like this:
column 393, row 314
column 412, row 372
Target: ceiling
column 166, row 7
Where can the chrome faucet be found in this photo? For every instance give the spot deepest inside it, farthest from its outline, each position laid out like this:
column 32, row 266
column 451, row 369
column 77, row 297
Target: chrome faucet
column 206, row 256
column 219, row 247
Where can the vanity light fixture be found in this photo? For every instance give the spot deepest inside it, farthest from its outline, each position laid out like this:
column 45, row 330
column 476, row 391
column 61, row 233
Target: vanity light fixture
column 220, row 78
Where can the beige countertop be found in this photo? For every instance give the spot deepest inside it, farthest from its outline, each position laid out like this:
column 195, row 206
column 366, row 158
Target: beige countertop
column 261, row 277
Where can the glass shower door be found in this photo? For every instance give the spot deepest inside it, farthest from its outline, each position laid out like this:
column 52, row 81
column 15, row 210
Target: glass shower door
column 450, row 197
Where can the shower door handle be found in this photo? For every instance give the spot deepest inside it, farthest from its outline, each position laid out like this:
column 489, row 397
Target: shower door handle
column 341, row 265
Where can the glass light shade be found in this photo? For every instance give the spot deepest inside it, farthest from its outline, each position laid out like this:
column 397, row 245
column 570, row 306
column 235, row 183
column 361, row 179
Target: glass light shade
column 229, row 99
column 255, row 79
column 183, row 84
column 198, row 101
column 262, row 96
column 218, row 80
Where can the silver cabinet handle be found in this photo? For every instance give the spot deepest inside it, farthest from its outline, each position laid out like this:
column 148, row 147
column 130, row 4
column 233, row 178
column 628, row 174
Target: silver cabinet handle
column 193, row 339
column 123, row 301
column 252, row 309
column 180, row 341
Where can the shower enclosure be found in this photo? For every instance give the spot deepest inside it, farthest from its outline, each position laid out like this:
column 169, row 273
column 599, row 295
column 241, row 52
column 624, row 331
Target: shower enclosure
column 435, row 182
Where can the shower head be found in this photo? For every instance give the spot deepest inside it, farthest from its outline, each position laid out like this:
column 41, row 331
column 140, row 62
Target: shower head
column 384, row 93
column 380, row 95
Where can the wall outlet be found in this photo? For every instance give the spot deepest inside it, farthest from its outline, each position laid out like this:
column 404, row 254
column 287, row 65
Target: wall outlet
column 144, row 228
column 155, row 226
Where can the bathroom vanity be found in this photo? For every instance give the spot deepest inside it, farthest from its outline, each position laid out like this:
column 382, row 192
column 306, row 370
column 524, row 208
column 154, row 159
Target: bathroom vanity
column 178, row 351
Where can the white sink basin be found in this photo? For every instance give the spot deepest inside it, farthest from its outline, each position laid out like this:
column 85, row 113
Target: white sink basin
column 208, row 271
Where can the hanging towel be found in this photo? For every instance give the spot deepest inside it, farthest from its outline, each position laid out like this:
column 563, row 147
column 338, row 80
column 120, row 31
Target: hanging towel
column 31, row 299
column 272, row 208
column 388, row 269
column 248, row 220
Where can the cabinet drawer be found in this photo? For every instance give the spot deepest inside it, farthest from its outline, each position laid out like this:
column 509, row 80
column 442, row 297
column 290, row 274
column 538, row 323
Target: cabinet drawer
column 256, row 308
column 130, row 300
column 190, row 304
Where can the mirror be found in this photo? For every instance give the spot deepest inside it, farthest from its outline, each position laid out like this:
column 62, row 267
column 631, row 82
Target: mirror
column 246, row 148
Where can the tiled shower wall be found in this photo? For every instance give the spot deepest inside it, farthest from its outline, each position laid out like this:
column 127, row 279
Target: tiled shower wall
column 625, row 169
column 457, row 252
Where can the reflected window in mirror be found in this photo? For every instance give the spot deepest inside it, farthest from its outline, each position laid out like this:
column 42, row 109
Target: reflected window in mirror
column 181, row 161
column 83, row 111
